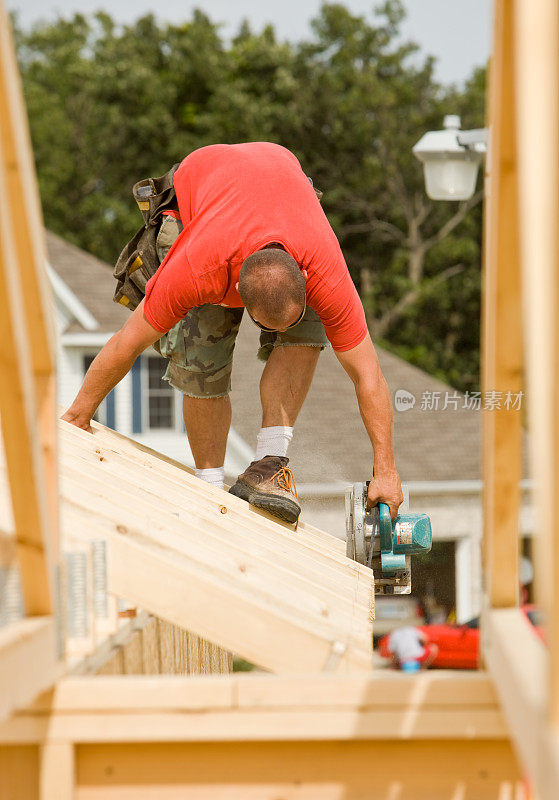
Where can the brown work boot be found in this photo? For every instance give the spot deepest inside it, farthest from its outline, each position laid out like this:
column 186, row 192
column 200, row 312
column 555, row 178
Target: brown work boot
column 269, row 484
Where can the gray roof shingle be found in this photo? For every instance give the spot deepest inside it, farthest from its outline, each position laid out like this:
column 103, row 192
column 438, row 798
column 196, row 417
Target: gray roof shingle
column 90, row 280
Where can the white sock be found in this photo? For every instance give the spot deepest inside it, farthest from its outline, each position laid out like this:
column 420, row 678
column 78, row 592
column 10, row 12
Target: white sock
column 214, row 475
column 273, row 441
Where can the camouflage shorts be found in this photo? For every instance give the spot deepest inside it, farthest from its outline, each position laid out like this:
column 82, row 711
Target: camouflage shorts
column 200, row 346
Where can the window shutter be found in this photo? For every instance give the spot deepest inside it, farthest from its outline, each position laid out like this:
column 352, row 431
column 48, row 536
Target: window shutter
column 111, row 410
column 137, row 396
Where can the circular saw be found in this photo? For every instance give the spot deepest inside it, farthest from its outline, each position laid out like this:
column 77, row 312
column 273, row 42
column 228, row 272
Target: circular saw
column 384, row 546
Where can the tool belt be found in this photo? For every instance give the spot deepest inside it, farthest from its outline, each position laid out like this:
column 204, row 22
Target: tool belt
column 138, row 260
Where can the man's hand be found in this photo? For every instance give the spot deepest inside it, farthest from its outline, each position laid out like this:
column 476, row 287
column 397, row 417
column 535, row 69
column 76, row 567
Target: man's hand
column 79, row 422
column 386, row 488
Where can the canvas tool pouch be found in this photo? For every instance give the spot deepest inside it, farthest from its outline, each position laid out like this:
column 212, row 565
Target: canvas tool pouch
column 138, row 260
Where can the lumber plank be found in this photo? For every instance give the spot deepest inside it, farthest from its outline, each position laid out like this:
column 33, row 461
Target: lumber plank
column 237, row 707
column 27, row 388
column 518, row 663
column 19, row 768
column 25, row 208
column 117, row 535
column 537, row 43
column 384, row 688
column 150, row 458
column 28, row 662
column 140, row 692
column 287, row 770
column 249, row 623
column 209, row 621
column 57, row 777
column 242, row 581
column 183, row 503
column 277, row 725
column 20, row 433
column 176, row 472
column 300, row 771
column 225, row 559
column 185, row 487
column 502, row 359
column 112, row 489
column 437, row 690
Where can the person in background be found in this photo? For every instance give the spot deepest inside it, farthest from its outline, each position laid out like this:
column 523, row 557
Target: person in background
column 410, row 649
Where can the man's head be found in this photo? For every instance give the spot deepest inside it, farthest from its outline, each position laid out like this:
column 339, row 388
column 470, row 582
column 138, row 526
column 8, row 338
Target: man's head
column 272, row 287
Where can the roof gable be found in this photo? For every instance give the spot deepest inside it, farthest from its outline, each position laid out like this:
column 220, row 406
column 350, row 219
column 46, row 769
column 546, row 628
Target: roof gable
column 85, row 285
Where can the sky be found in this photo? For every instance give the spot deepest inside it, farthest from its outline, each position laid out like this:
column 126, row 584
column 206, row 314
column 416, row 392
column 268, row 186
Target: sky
column 457, row 33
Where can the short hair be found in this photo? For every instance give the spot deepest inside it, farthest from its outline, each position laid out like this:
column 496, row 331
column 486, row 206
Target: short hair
column 271, row 281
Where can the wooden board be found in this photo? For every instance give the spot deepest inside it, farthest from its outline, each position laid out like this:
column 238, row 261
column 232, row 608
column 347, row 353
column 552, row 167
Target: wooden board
column 27, row 388
column 149, row 458
column 204, row 560
column 19, row 768
column 387, row 736
column 57, row 777
column 502, row 357
column 537, row 44
column 518, row 663
column 298, row 771
column 28, row 662
column 361, row 770
column 271, row 708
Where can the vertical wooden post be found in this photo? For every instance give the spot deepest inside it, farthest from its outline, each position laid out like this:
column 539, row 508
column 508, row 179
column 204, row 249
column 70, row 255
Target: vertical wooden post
column 502, row 333
column 537, row 45
column 27, row 354
column 57, row 771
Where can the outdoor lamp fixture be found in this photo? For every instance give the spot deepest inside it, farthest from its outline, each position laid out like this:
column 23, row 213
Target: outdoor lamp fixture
column 451, row 159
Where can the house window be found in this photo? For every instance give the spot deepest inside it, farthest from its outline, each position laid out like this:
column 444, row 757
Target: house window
column 106, row 411
column 161, row 395
column 87, row 361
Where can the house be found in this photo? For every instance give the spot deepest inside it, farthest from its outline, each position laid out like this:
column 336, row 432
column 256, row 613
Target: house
column 437, row 430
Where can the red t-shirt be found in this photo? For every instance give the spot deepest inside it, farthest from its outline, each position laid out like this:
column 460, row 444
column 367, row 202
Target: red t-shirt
column 234, row 200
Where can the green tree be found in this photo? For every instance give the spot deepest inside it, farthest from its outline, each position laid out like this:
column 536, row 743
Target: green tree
column 111, row 104
column 416, row 262
column 108, row 106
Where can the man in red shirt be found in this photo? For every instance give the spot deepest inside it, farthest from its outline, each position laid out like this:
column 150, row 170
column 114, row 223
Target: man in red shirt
column 250, row 233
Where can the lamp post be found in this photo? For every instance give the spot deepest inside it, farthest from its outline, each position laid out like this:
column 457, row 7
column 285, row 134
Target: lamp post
column 451, row 160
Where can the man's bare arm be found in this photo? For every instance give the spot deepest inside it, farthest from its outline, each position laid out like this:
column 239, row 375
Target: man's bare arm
column 111, row 365
column 362, row 366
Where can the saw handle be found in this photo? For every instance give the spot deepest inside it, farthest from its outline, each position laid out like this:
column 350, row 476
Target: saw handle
column 385, row 528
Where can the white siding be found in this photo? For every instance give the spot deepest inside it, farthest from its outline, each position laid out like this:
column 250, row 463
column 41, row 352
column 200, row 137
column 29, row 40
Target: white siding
column 172, row 443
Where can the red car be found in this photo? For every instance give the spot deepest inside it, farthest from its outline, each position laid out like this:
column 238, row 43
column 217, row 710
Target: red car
column 459, row 644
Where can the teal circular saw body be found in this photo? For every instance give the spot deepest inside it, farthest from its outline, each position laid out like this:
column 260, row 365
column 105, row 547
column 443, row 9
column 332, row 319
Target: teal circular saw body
column 384, row 546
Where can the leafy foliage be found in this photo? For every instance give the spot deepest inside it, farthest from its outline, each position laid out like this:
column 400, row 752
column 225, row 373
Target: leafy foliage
column 111, row 104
